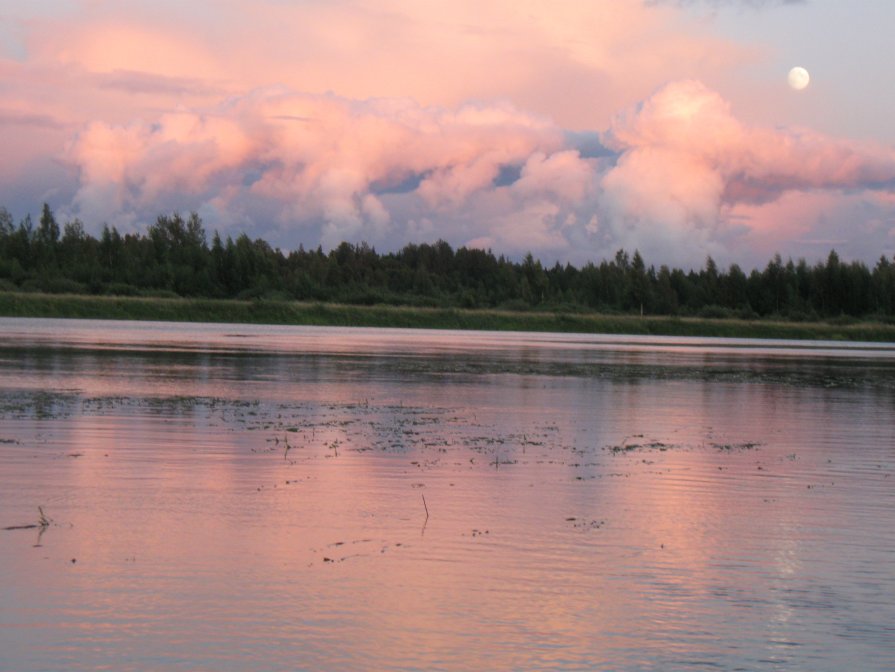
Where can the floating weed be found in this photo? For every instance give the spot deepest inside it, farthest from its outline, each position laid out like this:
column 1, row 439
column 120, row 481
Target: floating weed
column 361, row 548
column 582, row 524
column 629, row 444
column 731, row 447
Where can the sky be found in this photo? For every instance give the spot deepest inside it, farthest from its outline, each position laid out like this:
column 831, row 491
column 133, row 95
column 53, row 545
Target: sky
column 568, row 129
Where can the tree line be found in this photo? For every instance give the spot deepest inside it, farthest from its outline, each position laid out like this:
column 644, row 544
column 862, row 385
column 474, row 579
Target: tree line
column 174, row 257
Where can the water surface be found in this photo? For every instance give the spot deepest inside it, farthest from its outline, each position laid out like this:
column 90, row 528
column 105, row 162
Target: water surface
column 230, row 497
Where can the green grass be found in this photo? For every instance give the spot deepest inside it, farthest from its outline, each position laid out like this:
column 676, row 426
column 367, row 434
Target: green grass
column 16, row 304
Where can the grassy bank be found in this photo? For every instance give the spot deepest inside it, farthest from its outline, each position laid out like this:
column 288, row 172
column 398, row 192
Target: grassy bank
column 14, row 304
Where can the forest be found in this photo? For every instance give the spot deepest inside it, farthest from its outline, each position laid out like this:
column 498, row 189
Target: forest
column 174, row 258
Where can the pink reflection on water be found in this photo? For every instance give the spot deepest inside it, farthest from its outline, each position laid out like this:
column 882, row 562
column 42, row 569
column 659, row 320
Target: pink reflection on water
column 743, row 527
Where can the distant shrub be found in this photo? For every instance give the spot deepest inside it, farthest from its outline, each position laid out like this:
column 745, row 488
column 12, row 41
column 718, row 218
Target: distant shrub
column 250, row 294
column 800, row 316
column 276, row 295
column 842, row 320
column 120, row 289
column 515, row 306
column 8, row 285
column 418, row 301
column 469, row 299
column 714, row 312
column 364, row 298
column 64, row 286
column 55, row 285
column 30, row 285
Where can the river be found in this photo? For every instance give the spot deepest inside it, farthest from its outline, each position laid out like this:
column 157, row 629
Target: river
column 232, row 497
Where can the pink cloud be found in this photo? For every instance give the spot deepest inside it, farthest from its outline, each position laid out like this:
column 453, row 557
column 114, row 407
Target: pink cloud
column 312, row 157
column 562, row 175
column 688, row 179
column 810, row 224
column 576, row 62
column 395, row 119
column 686, row 163
column 755, row 163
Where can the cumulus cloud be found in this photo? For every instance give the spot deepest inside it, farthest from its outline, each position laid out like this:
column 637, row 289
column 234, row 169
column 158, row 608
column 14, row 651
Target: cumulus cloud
column 677, row 176
column 686, row 163
column 101, row 67
column 324, row 162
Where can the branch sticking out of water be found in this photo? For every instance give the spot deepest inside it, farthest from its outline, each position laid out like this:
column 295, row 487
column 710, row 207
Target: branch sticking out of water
column 425, row 506
column 42, row 522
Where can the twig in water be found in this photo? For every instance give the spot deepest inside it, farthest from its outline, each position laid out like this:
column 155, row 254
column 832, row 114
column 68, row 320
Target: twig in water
column 425, row 506
column 43, row 523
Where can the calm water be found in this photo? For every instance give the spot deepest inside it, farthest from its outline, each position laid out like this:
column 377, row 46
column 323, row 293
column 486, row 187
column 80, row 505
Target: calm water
column 235, row 497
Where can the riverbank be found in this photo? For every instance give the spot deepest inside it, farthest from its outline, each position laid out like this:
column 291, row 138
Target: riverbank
column 15, row 304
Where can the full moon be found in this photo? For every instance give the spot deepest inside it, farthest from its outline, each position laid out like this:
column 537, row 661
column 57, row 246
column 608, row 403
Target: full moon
column 798, row 78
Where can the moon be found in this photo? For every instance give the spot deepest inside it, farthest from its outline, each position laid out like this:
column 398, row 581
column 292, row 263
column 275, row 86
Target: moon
column 798, row 78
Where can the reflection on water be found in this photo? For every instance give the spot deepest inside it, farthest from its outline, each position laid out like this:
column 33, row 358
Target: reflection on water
column 235, row 497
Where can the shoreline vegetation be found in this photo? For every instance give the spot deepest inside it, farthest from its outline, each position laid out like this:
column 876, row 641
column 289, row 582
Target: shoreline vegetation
column 172, row 272
column 279, row 312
